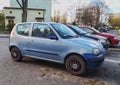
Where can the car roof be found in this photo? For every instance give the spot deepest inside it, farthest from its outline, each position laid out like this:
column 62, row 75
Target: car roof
column 37, row 22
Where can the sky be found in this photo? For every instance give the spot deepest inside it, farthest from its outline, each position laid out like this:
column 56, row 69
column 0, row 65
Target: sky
column 4, row 3
column 114, row 5
column 62, row 4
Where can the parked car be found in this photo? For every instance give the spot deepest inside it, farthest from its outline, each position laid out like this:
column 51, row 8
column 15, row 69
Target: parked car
column 84, row 34
column 104, row 29
column 55, row 42
column 112, row 38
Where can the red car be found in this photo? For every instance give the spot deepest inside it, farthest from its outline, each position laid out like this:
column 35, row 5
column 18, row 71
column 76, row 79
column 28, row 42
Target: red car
column 112, row 38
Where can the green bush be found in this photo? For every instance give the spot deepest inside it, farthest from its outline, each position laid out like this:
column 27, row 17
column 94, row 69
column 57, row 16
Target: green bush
column 10, row 26
column 2, row 22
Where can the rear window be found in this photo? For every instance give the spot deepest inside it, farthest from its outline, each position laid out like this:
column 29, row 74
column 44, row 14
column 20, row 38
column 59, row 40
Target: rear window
column 23, row 29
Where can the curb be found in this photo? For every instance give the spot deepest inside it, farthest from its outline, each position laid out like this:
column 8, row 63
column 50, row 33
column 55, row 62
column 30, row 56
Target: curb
column 4, row 36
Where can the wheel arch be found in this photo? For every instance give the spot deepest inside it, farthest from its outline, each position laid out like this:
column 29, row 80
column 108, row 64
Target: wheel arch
column 10, row 47
column 68, row 55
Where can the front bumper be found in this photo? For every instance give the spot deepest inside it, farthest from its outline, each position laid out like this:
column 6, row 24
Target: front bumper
column 94, row 61
column 115, row 41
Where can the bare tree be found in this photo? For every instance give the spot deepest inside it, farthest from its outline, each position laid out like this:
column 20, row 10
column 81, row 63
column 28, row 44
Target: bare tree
column 101, row 10
column 92, row 14
column 23, row 4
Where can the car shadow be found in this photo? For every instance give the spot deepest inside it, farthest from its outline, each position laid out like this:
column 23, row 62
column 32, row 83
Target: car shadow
column 101, row 74
column 43, row 63
column 56, row 66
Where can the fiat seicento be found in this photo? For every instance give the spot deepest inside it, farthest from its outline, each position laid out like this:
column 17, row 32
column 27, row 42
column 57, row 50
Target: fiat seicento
column 57, row 43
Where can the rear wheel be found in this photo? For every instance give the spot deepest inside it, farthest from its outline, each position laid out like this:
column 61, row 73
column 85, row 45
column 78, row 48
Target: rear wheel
column 75, row 65
column 16, row 54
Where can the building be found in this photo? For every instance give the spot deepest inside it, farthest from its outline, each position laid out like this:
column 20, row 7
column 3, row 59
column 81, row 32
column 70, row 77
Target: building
column 1, row 11
column 38, row 10
column 13, row 15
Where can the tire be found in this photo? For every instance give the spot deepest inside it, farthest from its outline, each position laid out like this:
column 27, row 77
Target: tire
column 75, row 65
column 16, row 54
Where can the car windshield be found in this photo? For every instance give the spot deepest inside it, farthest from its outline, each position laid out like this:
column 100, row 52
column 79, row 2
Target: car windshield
column 64, row 31
column 78, row 30
column 95, row 30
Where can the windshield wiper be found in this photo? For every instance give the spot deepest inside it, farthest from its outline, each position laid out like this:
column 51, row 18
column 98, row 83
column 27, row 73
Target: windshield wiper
column 70, row 36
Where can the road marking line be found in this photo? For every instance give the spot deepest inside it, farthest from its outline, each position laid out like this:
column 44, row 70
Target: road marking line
column 113, row 61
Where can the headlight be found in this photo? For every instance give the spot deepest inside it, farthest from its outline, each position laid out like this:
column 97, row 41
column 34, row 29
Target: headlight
column 102, row 40
column 96, row 51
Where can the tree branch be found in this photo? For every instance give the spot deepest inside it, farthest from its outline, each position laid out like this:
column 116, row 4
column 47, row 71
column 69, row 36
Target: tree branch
column 19, row 4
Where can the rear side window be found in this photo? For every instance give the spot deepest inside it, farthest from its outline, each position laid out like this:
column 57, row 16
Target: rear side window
column 23, row 29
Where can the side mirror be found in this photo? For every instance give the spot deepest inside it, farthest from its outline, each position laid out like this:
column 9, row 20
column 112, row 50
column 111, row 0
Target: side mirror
column 53, row 37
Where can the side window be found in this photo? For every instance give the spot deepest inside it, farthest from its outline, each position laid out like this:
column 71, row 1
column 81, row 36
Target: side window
column 23, row 29
column 88, row 30
column 42, row 31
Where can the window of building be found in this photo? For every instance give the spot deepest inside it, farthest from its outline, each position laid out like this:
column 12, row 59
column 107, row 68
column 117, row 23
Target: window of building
column 39, row 19
column 10, row 21
column 10, row 11
column 23, row 29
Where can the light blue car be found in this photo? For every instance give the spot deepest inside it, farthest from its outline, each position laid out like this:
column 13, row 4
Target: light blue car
column 55, row 42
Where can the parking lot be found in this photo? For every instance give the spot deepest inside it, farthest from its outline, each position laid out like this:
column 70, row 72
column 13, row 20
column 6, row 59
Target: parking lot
column 37, row 72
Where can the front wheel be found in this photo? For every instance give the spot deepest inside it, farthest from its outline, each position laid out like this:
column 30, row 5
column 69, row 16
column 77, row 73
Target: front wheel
column 75, row 65
column 16, row 54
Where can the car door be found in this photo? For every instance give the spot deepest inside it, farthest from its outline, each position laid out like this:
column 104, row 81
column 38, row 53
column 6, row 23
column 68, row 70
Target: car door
column 22, row 37
column 41, row 45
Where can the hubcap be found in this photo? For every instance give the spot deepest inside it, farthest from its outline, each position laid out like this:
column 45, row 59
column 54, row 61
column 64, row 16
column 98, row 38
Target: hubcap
column 14, row 54
column 75, row 66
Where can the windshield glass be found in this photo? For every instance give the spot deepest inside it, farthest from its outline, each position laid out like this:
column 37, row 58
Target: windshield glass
column 64, row 31
column 78, row 30
column 95, row 30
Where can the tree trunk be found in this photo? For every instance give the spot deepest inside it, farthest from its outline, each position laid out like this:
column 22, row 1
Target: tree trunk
column 24, row 14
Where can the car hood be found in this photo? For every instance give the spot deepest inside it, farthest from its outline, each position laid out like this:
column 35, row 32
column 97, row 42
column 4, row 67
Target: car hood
column 97, row 36
column 107, row 34
column 86, row 42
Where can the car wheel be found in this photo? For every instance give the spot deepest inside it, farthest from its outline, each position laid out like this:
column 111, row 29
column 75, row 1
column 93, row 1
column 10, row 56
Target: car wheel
column 16, row 54
column 75, row 65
